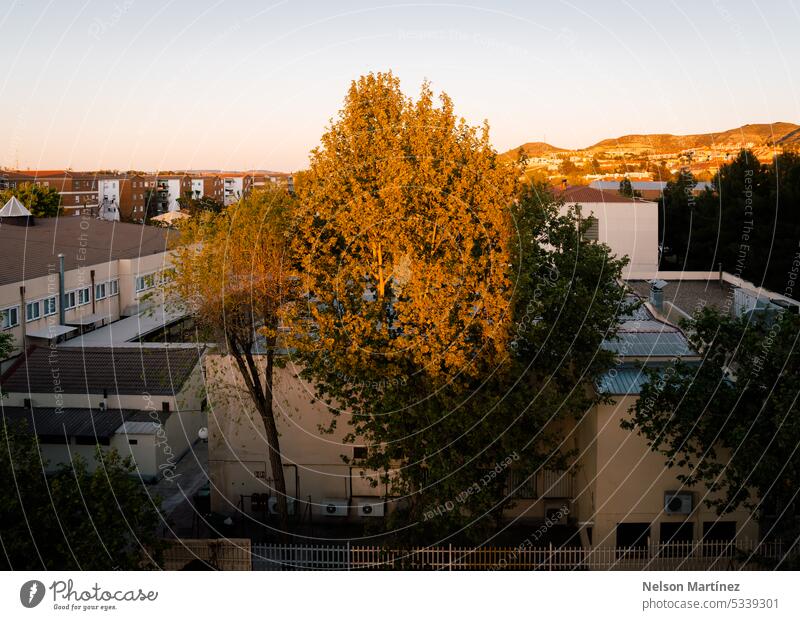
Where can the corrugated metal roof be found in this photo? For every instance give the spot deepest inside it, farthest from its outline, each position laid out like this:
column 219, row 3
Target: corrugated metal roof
column 92, row 370
column 650, row 343
column 72, row 422
column 622, row 381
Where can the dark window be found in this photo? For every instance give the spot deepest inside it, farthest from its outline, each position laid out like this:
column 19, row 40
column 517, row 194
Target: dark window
column 677, row 539
column 359, row 452
column 677, row 532
column 723, row 531
column 589, row 534
column 133, row 442
column 717, row 538
column 633, row 536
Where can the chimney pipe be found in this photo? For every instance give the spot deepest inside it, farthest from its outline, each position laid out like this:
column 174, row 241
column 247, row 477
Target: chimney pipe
column 720, row 275
column 61, row 314
column 563, row 184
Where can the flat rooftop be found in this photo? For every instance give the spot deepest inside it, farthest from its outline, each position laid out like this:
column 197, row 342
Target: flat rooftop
column 691, row 295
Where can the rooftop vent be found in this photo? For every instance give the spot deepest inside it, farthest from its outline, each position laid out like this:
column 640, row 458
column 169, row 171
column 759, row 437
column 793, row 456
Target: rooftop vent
column 15, row 213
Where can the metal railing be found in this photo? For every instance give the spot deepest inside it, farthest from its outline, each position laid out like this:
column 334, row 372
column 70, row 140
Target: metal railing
column 690, row 555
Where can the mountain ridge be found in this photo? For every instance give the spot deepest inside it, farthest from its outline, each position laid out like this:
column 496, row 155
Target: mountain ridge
column 780, row 133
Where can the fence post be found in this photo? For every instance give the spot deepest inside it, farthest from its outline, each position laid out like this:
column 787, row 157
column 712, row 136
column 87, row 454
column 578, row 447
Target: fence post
column 348, row 555
column 450, row 556
column 550, row 558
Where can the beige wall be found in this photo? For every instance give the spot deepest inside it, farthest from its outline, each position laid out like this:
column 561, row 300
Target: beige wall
column 631, row 481
column 125, row 303
column 238, row 457
column 618, row 478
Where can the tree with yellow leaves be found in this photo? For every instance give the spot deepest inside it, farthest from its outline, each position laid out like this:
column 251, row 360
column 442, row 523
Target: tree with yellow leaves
column 453, row 318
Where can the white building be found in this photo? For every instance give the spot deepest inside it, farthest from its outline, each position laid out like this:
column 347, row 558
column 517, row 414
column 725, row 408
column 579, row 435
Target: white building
column 108, row 199
column 629, row 226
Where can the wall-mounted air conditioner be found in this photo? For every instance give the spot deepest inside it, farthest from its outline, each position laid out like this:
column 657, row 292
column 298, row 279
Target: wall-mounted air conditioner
column 677, row 503
column 273, row 505
column 368, row 506
column 333, row 507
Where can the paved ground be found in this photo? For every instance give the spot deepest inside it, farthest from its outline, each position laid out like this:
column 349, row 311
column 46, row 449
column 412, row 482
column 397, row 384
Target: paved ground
column 176, row 492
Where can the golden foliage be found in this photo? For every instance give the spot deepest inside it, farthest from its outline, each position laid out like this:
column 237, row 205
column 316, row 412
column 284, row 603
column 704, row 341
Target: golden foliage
column 404, row 229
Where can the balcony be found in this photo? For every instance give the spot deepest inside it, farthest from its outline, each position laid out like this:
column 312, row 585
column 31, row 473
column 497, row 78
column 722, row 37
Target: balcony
column 547, row 484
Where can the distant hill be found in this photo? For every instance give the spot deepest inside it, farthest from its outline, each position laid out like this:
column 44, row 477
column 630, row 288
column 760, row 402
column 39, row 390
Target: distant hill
column 759, row 134
column 532, row 149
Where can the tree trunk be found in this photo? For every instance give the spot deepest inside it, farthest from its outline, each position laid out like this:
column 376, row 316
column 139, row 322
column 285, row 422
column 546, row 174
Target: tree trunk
column 275, row 460
column 263, row 401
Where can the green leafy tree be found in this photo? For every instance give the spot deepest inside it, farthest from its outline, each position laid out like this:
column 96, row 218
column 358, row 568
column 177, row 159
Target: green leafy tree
column 626, row 188
column 732, row 421
column 198, row 205
column 40, row 200
column 73, row 519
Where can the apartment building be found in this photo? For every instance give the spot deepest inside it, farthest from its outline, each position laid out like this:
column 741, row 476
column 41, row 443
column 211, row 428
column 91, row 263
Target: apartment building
column 121, row 196
column 207, row 185
column 109, row 270
column 78, row 190
column 235, row 186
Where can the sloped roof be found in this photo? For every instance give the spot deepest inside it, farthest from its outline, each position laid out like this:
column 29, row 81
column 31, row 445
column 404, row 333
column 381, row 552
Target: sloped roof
column 622, row 381
column 72, row 422
column 640, row 334
column 92, row 370
column 583, row 194
column 14, row 208
column 32, row 251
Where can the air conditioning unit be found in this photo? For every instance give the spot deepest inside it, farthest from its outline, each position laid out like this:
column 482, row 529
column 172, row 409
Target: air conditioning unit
column 273, row 505
column 556, row 512
column 677, row 503
column 333, row 507
column 368, row 506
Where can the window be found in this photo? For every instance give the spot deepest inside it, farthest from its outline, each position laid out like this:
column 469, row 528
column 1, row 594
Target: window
column 33, row 311
column 77, row 200
column 49, row 306
column 100, row 291
column 69, row 300
column 9, row 317
column 719, row 531
column 678, row 539
column 593, row 231
column 359, row 452
column 632, row 536
column 133, row 442
column 113, row 288
column 145, row 282
column 84, row 296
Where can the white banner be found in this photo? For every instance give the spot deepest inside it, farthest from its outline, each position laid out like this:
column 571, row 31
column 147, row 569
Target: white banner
column 387, row 595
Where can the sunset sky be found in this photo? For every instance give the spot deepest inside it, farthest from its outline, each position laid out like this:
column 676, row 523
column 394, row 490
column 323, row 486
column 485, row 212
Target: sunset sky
column 160, row 85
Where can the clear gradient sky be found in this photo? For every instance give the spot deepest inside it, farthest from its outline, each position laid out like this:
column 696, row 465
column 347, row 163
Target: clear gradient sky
column 232, row 84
